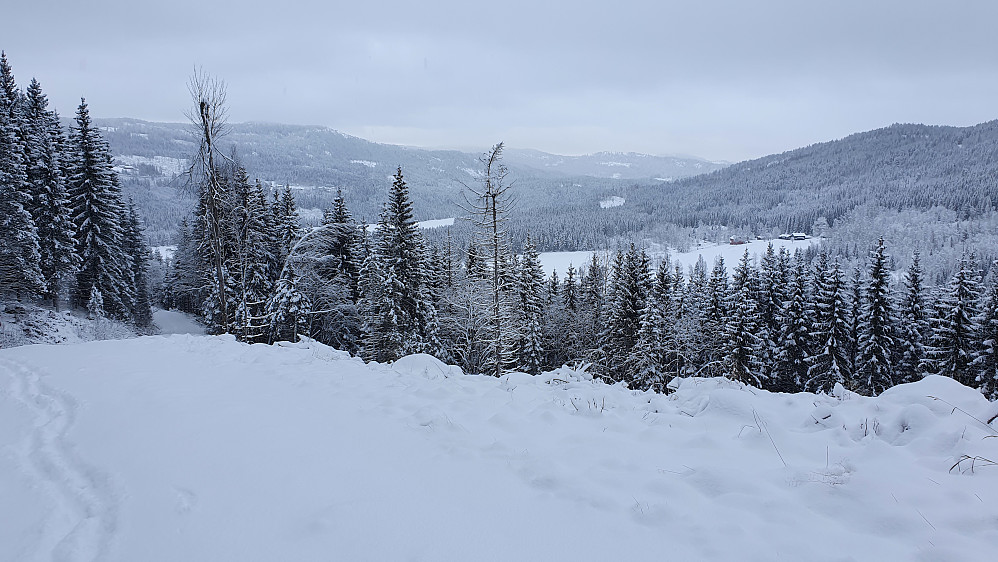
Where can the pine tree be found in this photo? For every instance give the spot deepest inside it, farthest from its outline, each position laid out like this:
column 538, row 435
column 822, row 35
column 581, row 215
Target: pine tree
column 97, row 212
column 251, row 256
column 912, row 326
column 50, row 207
column 875, row 372
column 741, row 344
column 829, row 364
column 647, row 360
column 629, row 287
column 138, row 255
column 288, row 309
column 791, row 356
column 570, row 291
column 20, row 255
column 769, row 300
column 954, row 335
column 530, row 311
column 397, row 309
column 288, row 223
column 855, row 316
column 986, row 361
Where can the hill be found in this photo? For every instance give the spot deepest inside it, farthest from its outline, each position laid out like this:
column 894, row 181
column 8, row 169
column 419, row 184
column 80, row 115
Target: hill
column 201, row 448
column 317, row 160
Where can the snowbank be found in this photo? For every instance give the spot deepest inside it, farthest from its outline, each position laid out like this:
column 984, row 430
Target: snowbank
column 200, row 448
column 26, row 324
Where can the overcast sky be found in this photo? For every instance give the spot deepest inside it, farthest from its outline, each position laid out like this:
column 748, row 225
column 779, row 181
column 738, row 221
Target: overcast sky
column 720, row 79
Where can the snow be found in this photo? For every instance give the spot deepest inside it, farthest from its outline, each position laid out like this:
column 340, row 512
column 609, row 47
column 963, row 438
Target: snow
column 27, row 324
column 367, row 163
column 166, row 165
column 560, row 261
column 175, row 322
column 614, row 201
column 709, row 251
column 188, row 447
column 432, row 223
column 435, row 223
column 165, row 252
column 732, row 253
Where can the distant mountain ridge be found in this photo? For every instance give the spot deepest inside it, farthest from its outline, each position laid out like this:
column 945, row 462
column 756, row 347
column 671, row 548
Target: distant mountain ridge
column 318, row 160
column 323, row 156
column 618, row 165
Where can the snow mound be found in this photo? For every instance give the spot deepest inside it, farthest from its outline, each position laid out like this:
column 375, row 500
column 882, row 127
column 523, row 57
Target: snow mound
column 192, row 447
column 27, row 324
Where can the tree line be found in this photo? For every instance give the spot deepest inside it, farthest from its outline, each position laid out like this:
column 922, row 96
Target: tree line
column 64, row 229
column 789, row 323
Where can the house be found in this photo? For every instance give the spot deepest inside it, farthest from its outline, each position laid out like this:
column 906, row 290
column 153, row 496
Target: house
column 800, row 236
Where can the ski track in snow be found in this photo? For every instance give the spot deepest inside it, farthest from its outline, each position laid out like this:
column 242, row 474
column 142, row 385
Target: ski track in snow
column 84, row 524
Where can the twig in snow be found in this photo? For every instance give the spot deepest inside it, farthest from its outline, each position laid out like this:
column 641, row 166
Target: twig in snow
column 971, row 416
column 926, row 520
column 762, row 425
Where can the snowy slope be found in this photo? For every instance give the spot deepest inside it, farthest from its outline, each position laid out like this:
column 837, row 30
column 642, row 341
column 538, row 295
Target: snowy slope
column 731, row 253
column 200, row 448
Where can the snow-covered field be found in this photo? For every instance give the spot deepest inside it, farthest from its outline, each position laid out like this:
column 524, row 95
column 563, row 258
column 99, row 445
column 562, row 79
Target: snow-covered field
column 731, row 254
column 615, row 201
column 200, row 448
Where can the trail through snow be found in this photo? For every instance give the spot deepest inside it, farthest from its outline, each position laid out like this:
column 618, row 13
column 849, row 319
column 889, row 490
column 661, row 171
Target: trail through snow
column 185, row 447
column 86, row 519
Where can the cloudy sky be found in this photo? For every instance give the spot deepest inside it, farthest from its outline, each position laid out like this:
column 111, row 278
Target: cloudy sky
column 720, row 79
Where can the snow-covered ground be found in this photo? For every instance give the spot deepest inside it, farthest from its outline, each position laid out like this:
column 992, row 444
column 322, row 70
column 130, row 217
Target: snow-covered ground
column 436, row 223
column 733, row 253
column 709, row 251
column 200, row 448
column 27, row 324
column 175, row 322
column 614, row 201
column 165, row 252
column 432, row 223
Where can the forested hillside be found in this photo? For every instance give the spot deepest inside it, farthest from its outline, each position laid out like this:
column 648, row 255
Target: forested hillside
column 317, row 161
column 898, row 167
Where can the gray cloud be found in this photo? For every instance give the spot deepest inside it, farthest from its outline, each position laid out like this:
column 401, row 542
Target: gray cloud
column 725, row 79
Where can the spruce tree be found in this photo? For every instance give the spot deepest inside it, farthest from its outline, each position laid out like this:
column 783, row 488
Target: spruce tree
column 97, row 213
column 912, row 326
column 397, row 309
column 875, row 372
column 629, row 289
column 829, row 363
column 288, row 309
column 954, row 334
column 741, row 344
column 251, row 256
column 986, row 361
column 530, row 311
column 138, row 254
column 570, row 291
column 50, row 207
column 792, row 352
column 769, row 300
column 20, row 254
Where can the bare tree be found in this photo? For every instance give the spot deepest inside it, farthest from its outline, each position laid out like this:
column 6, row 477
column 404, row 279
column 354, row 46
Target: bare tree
column 205, row 176
column 488, row 206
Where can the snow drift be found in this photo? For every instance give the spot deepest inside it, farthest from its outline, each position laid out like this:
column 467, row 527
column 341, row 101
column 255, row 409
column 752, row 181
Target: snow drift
column 200, row 448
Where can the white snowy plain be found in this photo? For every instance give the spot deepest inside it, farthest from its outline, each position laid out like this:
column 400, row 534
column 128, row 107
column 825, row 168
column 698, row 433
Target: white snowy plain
column 188, row 447
column 731, row 253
